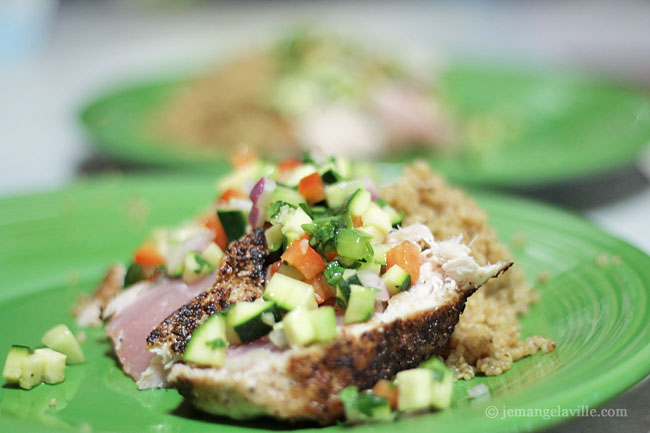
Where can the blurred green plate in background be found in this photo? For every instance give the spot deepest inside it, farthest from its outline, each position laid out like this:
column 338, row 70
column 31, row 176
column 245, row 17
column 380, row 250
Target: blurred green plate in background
column 594, row 304
column 518, row 127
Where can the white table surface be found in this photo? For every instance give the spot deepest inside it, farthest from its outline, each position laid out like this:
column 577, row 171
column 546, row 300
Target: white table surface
column 94, row 44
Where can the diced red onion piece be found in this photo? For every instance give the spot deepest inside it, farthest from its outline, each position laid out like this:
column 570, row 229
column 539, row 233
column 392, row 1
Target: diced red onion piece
column 256, row 217
column 371, row 186
column 260, row 196
column 370, row 279
column 257, row 190
column 262, row 190
column 198, row 242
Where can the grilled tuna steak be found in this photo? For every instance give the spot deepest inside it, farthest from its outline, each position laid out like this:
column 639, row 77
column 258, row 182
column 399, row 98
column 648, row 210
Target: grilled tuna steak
column 135, row 311
column 302, row 383
column 241, row 277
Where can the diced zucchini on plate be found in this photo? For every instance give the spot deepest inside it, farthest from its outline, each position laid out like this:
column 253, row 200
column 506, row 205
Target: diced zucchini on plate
column 28, row 369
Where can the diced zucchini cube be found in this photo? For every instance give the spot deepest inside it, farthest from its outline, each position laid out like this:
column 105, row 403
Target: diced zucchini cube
column 250, row 320
column 208, row 343
column 195, row 267
column 378, row 218
column 352, row 244
column 299, row 328
column 234, row 223
column 360, row 305
column 338, row 193
column 359, row 202
column 442, row 384
column 294, row 223
column 330, row 176
column 14, row 363
column 344, row 167
column 213, row 255
column 395, row 216
column 290, row 293
column 273, row 237
column 441, row 392
column 414, row 389
column 364, row 407
column 379, row 253
column 287, row 195
column 370, row 266
column 323, row 320
column 396, row 280
column 377, row 236
column 62, row 340
column 53, row 365
column 32, row 371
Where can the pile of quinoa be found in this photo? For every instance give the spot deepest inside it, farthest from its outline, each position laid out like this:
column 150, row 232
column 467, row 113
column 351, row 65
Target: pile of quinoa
column 487, row 339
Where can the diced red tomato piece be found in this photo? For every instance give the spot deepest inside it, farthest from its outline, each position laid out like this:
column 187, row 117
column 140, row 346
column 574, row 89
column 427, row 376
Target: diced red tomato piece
column 230, row 194
column 322, row 290
column 275, row 267
column 304, row 258
column 242, row 157
column 386, row 389
column 312, row 188
column 148, row 255
column 407, row 256
column 332, row 255
column 289, row 164
column 212, row 222
column 357, row 221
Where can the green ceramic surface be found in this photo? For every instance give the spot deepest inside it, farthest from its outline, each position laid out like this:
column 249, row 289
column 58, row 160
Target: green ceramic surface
column 53, row 245
column 529, row 127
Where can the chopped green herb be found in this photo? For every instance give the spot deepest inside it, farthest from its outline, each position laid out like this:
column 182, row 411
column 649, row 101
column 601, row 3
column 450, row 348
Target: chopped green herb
column 367, row 401
column 202, row 262
column 364, row 406
column 316, row 212
column 333, row 273
column 348, row 395
column 322, row 233
column 276, row 207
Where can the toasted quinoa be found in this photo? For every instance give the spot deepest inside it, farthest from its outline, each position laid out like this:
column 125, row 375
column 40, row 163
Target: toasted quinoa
column 487, row 339
column 225, row 109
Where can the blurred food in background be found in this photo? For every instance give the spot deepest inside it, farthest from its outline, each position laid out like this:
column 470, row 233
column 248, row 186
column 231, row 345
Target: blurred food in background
column 310, row 91
column 476, row 122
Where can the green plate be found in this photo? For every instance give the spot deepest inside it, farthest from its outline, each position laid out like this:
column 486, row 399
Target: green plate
column 529, row 127
column 595, row 305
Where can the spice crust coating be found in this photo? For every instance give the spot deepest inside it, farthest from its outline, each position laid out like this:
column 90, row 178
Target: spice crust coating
column 241, row 277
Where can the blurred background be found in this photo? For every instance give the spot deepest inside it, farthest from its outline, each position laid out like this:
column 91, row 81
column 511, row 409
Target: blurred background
column 55, row 56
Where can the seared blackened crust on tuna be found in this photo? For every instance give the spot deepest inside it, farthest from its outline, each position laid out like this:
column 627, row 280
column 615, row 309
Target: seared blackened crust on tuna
column 240, row 277
column 304, row 383
column 310, row 380
column 377, row 354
